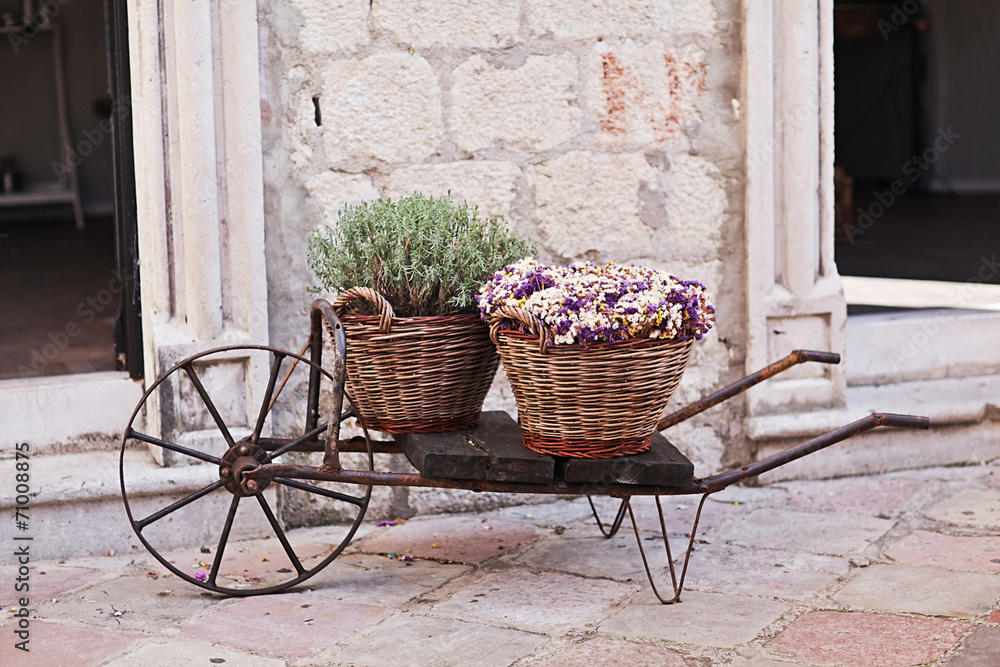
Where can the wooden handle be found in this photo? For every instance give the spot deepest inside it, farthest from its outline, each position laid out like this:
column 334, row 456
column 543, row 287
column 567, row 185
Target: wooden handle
column 385, row 313
column 523, row 317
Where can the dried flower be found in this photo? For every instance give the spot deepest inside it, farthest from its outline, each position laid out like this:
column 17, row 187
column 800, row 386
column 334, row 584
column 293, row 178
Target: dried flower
column 586, row 304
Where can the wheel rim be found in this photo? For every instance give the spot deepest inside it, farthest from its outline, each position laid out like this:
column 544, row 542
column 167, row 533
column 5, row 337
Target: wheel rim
column 240, row 455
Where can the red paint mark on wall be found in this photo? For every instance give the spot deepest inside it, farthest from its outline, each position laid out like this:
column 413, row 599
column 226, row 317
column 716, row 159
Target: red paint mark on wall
column 623, row 91
column 615, row 84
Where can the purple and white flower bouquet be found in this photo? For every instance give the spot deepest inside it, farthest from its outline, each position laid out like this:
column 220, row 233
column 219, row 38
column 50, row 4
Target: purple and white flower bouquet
column 588, row 304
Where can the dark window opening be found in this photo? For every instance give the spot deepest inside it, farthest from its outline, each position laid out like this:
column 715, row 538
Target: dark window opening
column 917, row 142
column 69, row 300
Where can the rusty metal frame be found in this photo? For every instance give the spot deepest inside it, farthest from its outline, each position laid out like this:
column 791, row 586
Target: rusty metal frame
column 248, row 467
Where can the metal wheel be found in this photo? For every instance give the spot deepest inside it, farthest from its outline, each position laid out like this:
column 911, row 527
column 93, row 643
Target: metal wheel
column 207, row 446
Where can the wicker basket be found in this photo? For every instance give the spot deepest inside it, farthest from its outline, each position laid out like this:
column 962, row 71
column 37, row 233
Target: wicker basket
column 416, row 374
column 596, row 403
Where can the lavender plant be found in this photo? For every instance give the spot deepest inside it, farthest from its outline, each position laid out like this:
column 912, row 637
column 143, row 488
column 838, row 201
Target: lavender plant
column 426, row 256
column 587, row 304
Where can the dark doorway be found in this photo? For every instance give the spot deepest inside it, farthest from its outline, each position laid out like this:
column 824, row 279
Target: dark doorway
column 917, row 140
column 69, row 300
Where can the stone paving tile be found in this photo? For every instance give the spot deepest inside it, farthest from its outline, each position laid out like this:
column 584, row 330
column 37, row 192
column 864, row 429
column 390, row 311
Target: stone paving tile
column 407, row 640
column 679, row 513
column 977, row 554
column 981, row 648
column 978, row 508
column 921, row 590
column 379, row 580
column 766, row 572
column 764, row 662
column 259, row 561
column 709, row 619
column 46, row 582
column 292, row 624
column 994, row 618
column 543, row 602
column 146, row 604
column 58, row 645
column 866, row 640
column 603, row 651
column 834, row 534
column 595, row 556
column 463, row 539
column 188, row 654
column 559, row 513
column 872, row 496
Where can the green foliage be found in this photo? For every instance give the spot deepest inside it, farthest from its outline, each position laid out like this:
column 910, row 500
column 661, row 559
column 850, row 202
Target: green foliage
column 426, row 256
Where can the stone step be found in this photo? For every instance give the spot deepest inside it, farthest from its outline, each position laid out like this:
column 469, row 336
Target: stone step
column 75, row 505
column 965, row 429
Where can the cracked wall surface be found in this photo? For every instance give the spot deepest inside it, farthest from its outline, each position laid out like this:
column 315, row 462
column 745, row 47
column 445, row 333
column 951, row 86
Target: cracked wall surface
column 603, row 130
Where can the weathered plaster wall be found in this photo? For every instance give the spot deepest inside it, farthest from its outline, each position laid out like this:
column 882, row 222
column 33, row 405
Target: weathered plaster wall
column 605, row 130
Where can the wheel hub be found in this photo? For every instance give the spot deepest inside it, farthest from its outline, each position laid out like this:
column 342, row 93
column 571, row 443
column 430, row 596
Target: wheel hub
column 240, row 458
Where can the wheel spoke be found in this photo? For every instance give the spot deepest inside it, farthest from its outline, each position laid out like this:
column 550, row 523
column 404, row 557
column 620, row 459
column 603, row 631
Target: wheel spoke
column 281, row 534
column 322, row 492
column 173, row 447
column 265, row 405
column 305, row 437
column 156, row 516
column 222, row 540
column 189, row 369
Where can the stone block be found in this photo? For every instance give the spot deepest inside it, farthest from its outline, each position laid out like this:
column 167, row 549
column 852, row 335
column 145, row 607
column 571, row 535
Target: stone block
column 384, row 108
column 831, row 534
column 979, row 508
column 290, row 625
column 419, row 640
column 709, row 619
column 643, row 94
column 489, row 185
column 331, row 191
column 862, row 640
column 324, row 27
column 483, row 24
column 692, row 18
column 696, row 203
column 590, row 202
column 603, row 651
column 545, row 602
column 187, row 654
column 462, row 539
column 980, row 648
column 57, row 644
column 950, row 552
column 592, row 20
column 921, row 590
column 529, row 108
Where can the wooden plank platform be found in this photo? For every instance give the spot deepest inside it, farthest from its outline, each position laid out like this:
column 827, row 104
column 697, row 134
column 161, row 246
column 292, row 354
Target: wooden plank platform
column 660, row 465
column 495, row 451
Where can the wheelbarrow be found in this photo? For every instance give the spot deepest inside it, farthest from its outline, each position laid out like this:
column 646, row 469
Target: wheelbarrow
column 487, row 458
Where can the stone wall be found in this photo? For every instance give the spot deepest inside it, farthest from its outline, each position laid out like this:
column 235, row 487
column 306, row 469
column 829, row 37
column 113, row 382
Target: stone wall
column 605, row 130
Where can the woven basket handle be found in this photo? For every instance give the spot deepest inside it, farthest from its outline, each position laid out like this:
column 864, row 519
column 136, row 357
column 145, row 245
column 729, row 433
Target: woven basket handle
column 523, row 317
column 385, row 313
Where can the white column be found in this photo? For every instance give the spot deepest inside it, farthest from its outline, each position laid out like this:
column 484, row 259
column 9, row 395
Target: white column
column 794, row 295
column 199, row 182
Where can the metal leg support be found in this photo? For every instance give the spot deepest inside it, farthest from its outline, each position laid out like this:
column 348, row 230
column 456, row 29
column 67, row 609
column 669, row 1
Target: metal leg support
column 615, row 525
column 678, row 585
